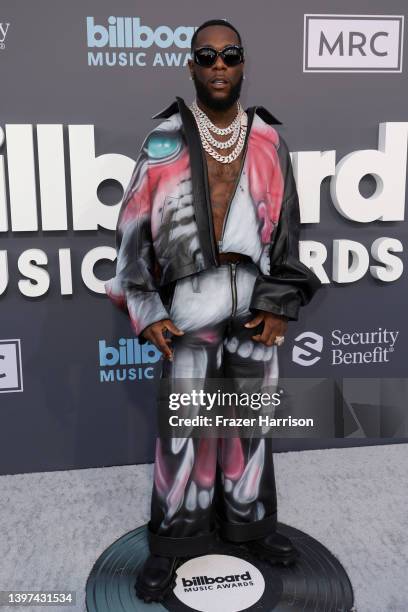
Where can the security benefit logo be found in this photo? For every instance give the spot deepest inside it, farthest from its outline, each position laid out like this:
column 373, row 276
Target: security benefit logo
column 125, row 41
column 307, row 348
column 11, row 376
column 363, row 347
column 353, row 43
column 220, row 583
column 128, row 360
column 3, row 34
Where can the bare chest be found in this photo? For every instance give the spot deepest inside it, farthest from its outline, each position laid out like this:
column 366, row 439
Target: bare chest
column 222, row 179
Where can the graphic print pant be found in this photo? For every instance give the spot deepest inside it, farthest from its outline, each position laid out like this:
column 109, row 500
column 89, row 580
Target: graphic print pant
column 208, row 483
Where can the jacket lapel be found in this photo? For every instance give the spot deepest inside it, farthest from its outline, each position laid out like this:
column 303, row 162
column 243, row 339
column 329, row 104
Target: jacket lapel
column 199, row 184
column 167, row 111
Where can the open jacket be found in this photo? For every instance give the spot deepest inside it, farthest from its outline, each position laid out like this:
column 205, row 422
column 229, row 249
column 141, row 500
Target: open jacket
column 165, row 229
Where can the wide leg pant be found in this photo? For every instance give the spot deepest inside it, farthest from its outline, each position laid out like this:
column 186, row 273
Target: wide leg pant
column 229, row 483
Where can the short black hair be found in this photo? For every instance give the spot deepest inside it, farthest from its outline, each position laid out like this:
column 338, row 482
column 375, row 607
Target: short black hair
column 211, row 22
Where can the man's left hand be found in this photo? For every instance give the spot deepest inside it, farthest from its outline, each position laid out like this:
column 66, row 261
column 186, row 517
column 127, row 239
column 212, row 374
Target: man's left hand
column 274, row 325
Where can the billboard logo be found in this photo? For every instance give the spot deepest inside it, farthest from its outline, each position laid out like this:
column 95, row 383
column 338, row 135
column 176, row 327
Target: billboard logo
column 128, row 32
column 41, row 192
column 3, row 33
column 219, row 582
column 123, row 41
column 127, row 361
column 11, row 376
column 308, row 350
column 353, row 43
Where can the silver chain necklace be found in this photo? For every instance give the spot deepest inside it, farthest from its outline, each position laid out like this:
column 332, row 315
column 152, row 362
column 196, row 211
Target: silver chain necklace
column 238, row 128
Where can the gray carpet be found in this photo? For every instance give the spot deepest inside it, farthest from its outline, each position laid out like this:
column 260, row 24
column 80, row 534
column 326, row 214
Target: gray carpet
column 355, row 501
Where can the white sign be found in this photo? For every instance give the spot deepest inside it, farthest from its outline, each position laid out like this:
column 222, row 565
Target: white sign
column 353, row 43
column 220, row 583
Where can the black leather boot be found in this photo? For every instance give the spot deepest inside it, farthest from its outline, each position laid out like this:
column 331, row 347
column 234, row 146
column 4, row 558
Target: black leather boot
column 156, row 578
column 274, row 548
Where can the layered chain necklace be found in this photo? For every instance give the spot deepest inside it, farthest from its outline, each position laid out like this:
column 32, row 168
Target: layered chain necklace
column 237, row 128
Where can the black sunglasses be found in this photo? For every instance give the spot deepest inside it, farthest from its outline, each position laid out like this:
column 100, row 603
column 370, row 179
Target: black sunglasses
column 231, row 55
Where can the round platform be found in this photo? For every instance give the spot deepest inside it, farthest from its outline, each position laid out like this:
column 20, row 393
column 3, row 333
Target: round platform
column 227, row 580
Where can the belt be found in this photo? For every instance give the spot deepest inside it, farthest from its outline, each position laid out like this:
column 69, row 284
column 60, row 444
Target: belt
column 232, row 258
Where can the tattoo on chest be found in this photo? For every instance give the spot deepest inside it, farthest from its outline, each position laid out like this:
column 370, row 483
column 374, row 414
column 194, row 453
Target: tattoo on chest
column 223, row 172
column 222, row 177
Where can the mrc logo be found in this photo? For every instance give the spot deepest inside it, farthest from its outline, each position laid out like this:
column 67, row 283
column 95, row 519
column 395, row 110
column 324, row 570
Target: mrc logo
column 353, row 43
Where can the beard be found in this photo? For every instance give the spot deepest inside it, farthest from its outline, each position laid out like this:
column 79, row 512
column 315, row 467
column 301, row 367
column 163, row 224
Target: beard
column 218, row 104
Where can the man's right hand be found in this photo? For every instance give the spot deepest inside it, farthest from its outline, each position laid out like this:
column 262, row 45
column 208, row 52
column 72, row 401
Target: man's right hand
column 154, row 333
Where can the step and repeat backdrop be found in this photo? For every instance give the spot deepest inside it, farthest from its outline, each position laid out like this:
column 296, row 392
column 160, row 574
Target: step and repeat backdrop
column 79, row 83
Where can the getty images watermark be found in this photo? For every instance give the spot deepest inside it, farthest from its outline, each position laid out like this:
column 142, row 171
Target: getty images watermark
column 289, row 408
column 225, row 408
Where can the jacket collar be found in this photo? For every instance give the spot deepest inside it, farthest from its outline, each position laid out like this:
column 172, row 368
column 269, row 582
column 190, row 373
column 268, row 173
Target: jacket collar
column 174, row 107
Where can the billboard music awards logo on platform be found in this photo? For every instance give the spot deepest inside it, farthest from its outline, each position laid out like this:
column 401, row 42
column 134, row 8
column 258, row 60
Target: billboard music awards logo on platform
column 3, row 33
column 128, row 360
column 353, row 43
column 346, row 348
column 220, row 583
column 125, row 41
column 11, row 375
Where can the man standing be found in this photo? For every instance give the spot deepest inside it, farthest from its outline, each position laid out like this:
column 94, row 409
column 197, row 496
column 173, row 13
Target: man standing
column 207, row 241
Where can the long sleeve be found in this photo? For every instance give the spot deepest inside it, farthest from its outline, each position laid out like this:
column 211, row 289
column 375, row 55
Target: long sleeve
column 290, row 284
column 134, row 286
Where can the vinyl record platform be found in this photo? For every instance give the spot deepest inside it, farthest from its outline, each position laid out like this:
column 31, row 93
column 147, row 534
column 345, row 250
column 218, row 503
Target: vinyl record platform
column 228, row 580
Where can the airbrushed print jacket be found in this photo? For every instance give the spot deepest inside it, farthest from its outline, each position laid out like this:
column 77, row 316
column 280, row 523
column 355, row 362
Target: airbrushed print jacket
column 165, row 229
